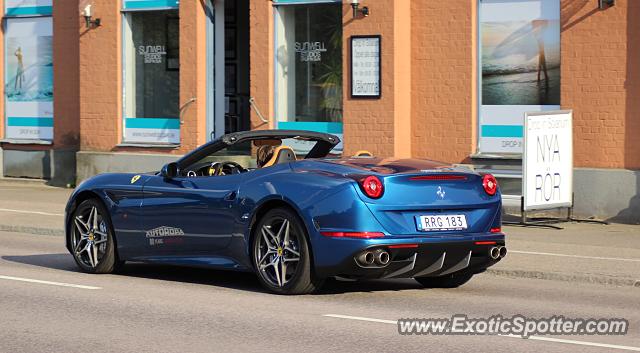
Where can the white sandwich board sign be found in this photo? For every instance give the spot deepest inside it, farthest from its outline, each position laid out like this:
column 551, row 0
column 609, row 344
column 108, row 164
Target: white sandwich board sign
column 548, row 160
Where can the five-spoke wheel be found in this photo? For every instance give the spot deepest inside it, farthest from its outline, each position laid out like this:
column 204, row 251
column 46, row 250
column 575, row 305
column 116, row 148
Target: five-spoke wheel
column 91, row 238
column 281, row 253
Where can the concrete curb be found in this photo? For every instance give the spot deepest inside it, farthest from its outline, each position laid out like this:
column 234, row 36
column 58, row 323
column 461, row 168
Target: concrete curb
column 32, row 230
column 24, row 181
column 579, row 278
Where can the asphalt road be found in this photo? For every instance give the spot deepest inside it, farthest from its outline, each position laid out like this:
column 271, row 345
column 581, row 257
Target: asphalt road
column 163, row 309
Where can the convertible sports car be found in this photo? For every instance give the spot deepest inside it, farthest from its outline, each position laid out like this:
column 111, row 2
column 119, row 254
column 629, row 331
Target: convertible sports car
column 246, row 202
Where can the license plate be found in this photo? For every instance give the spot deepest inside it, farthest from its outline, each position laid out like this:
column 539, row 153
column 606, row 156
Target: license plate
column 441, row 222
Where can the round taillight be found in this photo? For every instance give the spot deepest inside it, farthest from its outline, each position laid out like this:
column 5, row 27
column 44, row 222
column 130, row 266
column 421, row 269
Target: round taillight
column 490, row 184
column 372, row 186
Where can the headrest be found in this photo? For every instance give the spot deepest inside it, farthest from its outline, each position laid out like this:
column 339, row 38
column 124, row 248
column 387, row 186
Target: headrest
column 282, row 154
column 363, row 153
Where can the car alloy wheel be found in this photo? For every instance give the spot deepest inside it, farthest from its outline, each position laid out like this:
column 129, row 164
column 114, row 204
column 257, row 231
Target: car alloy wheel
column 91, row 238
column 278, row 255
column 281, row 253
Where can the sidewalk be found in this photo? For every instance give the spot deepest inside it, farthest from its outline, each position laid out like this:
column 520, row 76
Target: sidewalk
column 593, row 253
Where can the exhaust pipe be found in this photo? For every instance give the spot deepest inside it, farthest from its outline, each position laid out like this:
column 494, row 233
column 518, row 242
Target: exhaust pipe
column 366, row 258
column 494, row 253
column 503, row 251
column 382, row 257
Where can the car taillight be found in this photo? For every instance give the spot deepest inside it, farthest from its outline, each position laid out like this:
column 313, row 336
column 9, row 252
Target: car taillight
column 372, row 186
column 490, row 184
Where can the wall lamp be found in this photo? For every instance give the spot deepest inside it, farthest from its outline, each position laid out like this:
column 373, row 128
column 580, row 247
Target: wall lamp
column 87, row 17
column 355, row 4
column 605, row 4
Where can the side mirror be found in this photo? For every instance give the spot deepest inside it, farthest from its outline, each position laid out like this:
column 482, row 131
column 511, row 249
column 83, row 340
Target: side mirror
column 170, row 170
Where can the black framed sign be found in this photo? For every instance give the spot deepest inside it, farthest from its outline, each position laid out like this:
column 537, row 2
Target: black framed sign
column 366, row 66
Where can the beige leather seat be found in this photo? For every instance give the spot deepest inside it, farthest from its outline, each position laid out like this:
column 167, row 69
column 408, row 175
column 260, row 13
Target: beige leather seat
column 282, row 154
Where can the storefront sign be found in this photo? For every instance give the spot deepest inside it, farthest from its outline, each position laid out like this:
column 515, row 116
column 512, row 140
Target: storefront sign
column 365, row 66
column 152, row 53
column 548, row 160
column 520, row 61
column 152, row 130
column 28, row 78
column 310, row 51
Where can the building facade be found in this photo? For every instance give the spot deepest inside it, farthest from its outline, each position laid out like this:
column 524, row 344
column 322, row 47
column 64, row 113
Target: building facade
column 141, row 82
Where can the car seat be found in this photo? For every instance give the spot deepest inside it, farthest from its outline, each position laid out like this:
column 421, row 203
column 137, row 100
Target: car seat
column 282, row 154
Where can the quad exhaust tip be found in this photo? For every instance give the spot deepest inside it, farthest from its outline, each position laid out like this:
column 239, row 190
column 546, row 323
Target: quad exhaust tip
column 494, row 253
column 382, row 257
column 366, row 258
column 503, row 251
column 498, row 252
column 377, row 257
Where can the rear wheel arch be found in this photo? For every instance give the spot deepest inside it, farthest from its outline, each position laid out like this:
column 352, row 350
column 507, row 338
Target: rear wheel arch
column 262, row 211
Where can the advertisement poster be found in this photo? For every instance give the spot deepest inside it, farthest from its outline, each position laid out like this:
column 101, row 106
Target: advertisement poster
column 520, row 62
column 29, row 78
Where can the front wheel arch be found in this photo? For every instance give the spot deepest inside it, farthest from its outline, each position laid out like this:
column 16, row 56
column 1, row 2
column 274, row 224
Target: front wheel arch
column 78, row 200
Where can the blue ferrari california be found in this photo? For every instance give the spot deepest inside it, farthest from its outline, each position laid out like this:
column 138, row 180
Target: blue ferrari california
column 280, row 204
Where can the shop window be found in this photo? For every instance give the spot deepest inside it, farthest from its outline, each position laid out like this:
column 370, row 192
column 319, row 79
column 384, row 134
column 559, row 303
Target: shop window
column 151, row 77
column 309, row 67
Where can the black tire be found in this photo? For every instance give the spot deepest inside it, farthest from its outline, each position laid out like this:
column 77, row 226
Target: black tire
column 453, row 280
column 107, row 258
column 303, row 280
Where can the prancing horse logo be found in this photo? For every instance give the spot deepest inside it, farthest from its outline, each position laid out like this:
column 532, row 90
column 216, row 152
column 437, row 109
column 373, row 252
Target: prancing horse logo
column 441, row 192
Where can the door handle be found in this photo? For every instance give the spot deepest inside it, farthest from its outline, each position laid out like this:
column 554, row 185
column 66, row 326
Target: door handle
column 230, row 196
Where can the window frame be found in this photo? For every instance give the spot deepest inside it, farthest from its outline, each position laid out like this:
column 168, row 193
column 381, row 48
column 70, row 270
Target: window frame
column 125, row 30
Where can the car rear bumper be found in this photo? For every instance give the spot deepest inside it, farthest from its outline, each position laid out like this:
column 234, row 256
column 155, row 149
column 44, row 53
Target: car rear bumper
column 409, row 257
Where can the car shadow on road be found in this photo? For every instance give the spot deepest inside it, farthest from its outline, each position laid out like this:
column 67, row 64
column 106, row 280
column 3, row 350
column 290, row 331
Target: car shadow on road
column 62, row 262
column 219, row 278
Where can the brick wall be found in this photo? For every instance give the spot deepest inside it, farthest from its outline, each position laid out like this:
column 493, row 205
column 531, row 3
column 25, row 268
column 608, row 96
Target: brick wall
column 66, row 84
column 601, row 82
column 261, row 61
column 443, row 62
column 600, row 78
column 100, row 79
column 193, row 73
column 369, row 124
